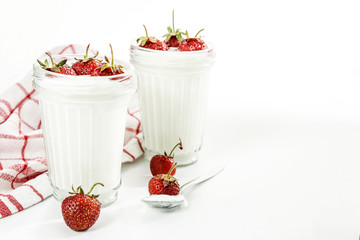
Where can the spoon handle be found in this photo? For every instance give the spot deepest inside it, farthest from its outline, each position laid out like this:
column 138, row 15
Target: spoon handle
column 212, row 172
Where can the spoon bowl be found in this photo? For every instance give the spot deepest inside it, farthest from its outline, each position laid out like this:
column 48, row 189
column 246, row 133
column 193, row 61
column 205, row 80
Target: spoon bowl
column 164, row 201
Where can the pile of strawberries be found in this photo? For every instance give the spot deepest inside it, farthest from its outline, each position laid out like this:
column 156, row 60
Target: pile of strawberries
column 87, row 66
column 163, row 169
column 173, row 39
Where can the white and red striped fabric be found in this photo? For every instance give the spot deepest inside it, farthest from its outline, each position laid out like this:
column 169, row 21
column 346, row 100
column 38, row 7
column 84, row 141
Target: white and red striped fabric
column 23, row 171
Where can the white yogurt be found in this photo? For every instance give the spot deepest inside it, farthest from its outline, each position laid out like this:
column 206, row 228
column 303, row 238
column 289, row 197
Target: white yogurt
column 173, row 90
column 83, row 121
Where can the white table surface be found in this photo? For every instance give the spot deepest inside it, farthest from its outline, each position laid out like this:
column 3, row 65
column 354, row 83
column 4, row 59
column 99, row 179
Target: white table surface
column 284, row 179
column 283, row 117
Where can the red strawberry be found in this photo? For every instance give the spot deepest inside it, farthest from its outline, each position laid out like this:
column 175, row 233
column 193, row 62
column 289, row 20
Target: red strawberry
column 60, row 67
column 67, row 70
column 173, row 41
column 164, row 184
column 81, row 210
column 108, row 69
column 192, row 44
column 87, row 65
column 173, row 38
column 161, row 164
column 152, row 42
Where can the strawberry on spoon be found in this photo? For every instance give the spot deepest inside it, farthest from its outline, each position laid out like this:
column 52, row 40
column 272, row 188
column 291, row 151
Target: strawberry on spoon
column 170, row 201
column 164, row 184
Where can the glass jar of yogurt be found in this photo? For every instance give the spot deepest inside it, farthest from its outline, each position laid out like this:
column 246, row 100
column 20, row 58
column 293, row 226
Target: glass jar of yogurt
column 83, row 122
column 173, row 91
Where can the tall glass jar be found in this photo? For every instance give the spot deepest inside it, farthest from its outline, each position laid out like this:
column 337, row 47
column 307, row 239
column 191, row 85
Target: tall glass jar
column 173, row 92
column 83, row 122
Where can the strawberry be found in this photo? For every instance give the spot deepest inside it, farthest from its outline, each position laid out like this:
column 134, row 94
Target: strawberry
column 161, row 164
column 87, row 65
column 152, row 42
column 81, row 210
column 173, row 38
column 60, row 67
column 164, row 184
column 108, row 69
column 192, row 44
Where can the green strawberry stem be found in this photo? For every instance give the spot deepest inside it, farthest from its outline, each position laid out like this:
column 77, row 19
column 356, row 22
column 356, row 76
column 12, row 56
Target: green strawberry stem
column 54, row 67
column 180, row 146
column 173, row 21
column 79, row 190
column 144, row 40
column 199, row 32
column 112, row 55
column 87, row 58
column 94, row 186
column 147, row 36
column 114, row 68
column 87, row 52
column 51, row 59
column 171, row 169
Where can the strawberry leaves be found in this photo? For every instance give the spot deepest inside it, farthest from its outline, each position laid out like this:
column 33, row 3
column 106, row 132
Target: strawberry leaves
column 172, row 32
column 110, row 65
column 87, row 58
column 79, row 190
column 143, row 40
column 53, row 67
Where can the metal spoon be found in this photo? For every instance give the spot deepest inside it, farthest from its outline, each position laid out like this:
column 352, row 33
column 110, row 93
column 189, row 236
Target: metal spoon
column 167, row 201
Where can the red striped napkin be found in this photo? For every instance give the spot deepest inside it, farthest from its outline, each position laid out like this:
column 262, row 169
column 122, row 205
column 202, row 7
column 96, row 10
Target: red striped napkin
column 23, row 171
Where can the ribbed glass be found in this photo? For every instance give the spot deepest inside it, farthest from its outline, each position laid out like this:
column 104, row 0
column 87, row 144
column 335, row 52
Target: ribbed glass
column 173, row 92
column 83, row 122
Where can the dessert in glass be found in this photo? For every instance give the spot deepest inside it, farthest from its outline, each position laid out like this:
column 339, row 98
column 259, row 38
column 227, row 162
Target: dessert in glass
column 173, row 80
column 83, row 122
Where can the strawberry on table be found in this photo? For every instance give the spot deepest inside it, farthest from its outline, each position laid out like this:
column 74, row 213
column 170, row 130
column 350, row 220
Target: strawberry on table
column 151, row 42
column 173, row 37
column 108, row 68
column 60, row 67
column 164, row 184
column 192, row 44
column 81, row 210
column 87, row 65
column 161, row 164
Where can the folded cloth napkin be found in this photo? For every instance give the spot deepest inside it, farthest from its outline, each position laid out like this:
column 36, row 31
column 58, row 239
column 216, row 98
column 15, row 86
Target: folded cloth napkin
column 23, row 171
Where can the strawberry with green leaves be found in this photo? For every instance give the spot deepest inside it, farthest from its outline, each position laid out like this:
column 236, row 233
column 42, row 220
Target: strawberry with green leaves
column 173, row 37
column 108, row 68
column 151, row 42
column 60, row 67
column 164, row 184
column 86, row 65
column 81, row 211
column 192, row 44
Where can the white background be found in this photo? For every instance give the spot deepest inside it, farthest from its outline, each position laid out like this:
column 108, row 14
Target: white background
column 283, row 115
